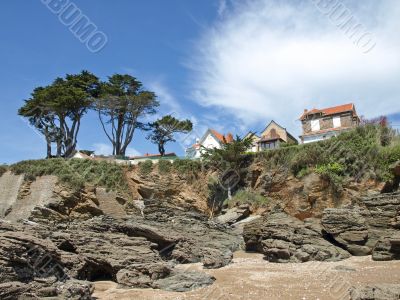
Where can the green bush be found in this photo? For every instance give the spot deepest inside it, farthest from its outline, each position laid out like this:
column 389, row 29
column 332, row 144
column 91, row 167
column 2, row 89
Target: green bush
column 3, row 169
column 247, row 197
column 187, row 166
column 164, row 166
column 335, row 168
column 358, row 151
column 76, row 172
column 303, row 172
column 146, row 167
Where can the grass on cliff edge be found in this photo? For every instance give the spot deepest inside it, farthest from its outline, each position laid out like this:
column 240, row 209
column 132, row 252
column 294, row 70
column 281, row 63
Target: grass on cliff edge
column 3, row 169
column 75, row 172
column 365, row 152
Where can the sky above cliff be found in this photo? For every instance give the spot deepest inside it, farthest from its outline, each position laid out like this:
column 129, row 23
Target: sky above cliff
column 229, row 65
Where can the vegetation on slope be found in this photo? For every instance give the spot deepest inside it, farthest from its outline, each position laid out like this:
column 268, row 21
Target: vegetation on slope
column 75, row 172
column 247, row 197
column 365, row 152
column 3, row 169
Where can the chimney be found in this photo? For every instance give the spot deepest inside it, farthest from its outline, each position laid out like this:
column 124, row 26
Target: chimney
column 305, row 110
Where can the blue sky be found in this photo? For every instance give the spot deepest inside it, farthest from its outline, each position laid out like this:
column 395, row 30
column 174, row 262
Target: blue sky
column 229, row 65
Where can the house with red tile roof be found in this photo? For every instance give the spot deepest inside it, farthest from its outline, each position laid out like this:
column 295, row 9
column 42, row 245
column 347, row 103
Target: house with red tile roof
column 211, row 139
column 321, row 124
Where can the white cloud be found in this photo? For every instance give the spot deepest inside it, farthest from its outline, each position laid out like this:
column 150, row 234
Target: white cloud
column 271, row 59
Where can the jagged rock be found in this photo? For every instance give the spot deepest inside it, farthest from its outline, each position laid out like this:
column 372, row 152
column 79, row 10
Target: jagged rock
column 214, row 259
column 371, row 229
column 142, row 275
column 75, row 290
column 348, row 228
column 376, row 292
column 282, row 238
column 182, row 281
column 130, row 252
column 234, row 215
column 387, row 249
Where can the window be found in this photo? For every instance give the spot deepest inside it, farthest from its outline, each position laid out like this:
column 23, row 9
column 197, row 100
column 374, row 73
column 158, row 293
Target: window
column 336, row 122
column 315, row 125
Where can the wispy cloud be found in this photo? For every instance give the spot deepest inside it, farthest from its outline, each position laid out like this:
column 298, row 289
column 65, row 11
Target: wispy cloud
column 271, row 59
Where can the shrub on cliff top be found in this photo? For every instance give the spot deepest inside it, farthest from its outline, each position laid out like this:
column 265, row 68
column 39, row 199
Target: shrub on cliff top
column 164, row 166
column 146, row 167
column 359, row 152
column 75, row 172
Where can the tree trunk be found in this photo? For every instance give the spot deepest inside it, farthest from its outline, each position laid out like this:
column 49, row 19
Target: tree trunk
column 48, row 149
column 161, row 149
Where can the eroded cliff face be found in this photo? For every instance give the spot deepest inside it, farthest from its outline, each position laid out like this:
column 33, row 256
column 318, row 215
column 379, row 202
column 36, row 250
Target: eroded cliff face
column 137, row 237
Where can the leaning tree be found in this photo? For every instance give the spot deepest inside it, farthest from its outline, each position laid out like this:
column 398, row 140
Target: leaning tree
column 43, row 119
column 164, row 129
column 56, row 110
column 120, row 106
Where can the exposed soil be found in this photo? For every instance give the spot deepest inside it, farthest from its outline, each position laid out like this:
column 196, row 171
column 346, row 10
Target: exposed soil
column 251, row 277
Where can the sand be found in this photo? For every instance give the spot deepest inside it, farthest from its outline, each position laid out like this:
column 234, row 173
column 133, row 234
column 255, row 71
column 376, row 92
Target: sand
column 251, row 277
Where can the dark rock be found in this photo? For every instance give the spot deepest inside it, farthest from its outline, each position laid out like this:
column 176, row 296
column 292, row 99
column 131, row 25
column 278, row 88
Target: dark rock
column 132, row 252
column 348, row 227
column 376, row 292
column 182, row 281
column 234, row 215
column 373, row 228
column 282, row 238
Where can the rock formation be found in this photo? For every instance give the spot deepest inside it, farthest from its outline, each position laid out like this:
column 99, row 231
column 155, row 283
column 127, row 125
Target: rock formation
column 282, row 238
column 370, row 227
column 54, row 254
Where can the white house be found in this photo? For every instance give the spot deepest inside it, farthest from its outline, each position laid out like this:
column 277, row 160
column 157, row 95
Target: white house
column 210, row 140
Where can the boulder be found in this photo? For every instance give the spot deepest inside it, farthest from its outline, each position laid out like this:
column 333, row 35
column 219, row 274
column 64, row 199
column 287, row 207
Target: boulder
column 282, row 238
column 348, row 227
column 234, row 215
column 182, row 281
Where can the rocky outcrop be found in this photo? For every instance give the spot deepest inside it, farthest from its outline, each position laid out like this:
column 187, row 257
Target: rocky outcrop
column 371, row 227
column 282, row 238
column 233, row 215
column 376, row 292
column 136, row 252
column 348, row 227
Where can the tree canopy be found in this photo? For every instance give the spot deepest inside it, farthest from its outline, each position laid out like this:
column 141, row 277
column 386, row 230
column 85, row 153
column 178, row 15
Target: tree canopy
column 56, row 110
column 121, row 104
column 164, row 129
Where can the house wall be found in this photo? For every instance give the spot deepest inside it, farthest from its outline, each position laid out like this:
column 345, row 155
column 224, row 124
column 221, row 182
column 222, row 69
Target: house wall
column 279, row 130
column 210, row 142
column 254, row 146
column 346, row 120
